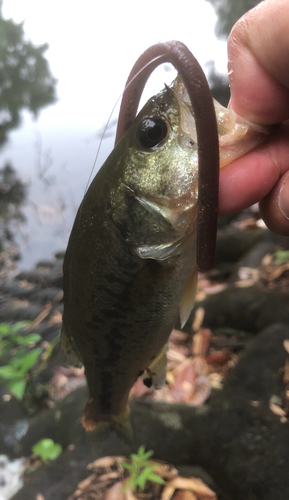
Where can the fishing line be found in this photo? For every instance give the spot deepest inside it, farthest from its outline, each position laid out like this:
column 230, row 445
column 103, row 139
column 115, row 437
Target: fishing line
column 110, row 116
column 200, row 95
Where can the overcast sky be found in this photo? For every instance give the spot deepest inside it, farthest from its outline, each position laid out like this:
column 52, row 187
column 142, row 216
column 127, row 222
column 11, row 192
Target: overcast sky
column 93, row 45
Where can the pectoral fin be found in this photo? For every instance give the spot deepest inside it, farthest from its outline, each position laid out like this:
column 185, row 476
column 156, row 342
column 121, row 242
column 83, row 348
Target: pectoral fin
column 188, row 299
column 155, row 374
column 69, row 349
column 159, row 252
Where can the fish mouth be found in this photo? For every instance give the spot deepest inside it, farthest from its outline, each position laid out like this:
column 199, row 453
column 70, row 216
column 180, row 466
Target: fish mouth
column 237, row 136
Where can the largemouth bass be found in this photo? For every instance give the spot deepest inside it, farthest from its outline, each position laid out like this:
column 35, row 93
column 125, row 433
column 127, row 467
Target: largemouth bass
column 130, row 266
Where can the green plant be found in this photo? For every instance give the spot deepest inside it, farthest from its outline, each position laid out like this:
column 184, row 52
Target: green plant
column 141, row 470
column 47, row 449
column 281, row 257
column 16, row 356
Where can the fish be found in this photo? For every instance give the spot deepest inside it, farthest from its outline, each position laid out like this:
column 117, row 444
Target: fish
column 130, row 266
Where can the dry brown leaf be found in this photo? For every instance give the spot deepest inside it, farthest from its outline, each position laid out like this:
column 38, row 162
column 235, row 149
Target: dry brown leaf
column 39, row 496
column 190, row 385
column 192, row 484
column 168, row 492
column 26, row 284
column 216, row 380
column 198, row 319
column 278, row 272
column 267, row 260
column 84, row 484
column 201, row 294
column 175, row 355
column 129, row 495
column 286, row 345
column 166, row 471
column 201, row 342
column 40, row 317
column 218, row 357
column 277, row 410
column 177, row 336
column 212, row 289
column 255, row 404
column 105, row 462
column 114, row 493
column 139, row 389
column 108, row 476
column 185, row 495
column 56, row 319
column 249, row 223
column 21, row 304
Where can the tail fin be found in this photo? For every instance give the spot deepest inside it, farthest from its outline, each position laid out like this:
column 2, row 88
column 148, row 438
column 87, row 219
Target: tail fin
column 103, row 426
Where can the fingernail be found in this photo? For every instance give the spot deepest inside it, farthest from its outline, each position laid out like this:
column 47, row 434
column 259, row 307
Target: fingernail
column 283, row 199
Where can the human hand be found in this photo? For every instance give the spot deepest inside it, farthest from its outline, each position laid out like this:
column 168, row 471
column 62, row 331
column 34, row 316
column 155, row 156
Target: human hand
column 258, row 52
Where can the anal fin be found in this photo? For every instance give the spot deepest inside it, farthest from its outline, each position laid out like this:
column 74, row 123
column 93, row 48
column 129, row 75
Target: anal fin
column 155, row 374
column 188, row 300
column 69, row 349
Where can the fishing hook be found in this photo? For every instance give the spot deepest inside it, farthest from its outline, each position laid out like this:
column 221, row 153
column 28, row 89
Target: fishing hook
column 199, row 92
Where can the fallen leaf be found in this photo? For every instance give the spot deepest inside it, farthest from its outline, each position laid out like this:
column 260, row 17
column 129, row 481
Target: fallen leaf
column 174, row 355
column 199, row 318
column 185, row 495
column 139, row 389
column 216, row 380
column 40, row 317
column 277, row 410
column 56, row 319
column 249, row 223
column 177, row 336
column 286, row 345
column 190, row 386
column 201, row 342
column 115, row 493
column 255, row 404
column 26, row 284
column 218, row 357
column 105, row 462
column 166, row 471
column 192, row 484
column 20, row 304
column 83, row 484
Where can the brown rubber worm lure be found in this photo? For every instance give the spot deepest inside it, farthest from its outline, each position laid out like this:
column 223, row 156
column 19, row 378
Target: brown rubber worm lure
column 199, row 92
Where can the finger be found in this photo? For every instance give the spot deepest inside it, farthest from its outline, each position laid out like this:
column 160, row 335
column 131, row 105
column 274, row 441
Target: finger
column 251, row 177
column 258, row 51
column 274, row 207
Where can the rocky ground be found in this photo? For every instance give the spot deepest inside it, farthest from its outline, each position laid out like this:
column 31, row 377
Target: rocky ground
column 223, row 414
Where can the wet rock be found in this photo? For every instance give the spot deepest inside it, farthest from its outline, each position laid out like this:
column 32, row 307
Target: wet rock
column 250, row 309
column 13, row 311
column 232, row 243
column 13, row 415
column 235, row 436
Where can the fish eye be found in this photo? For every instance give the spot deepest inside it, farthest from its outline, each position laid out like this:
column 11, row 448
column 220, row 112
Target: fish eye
column 152, row 132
